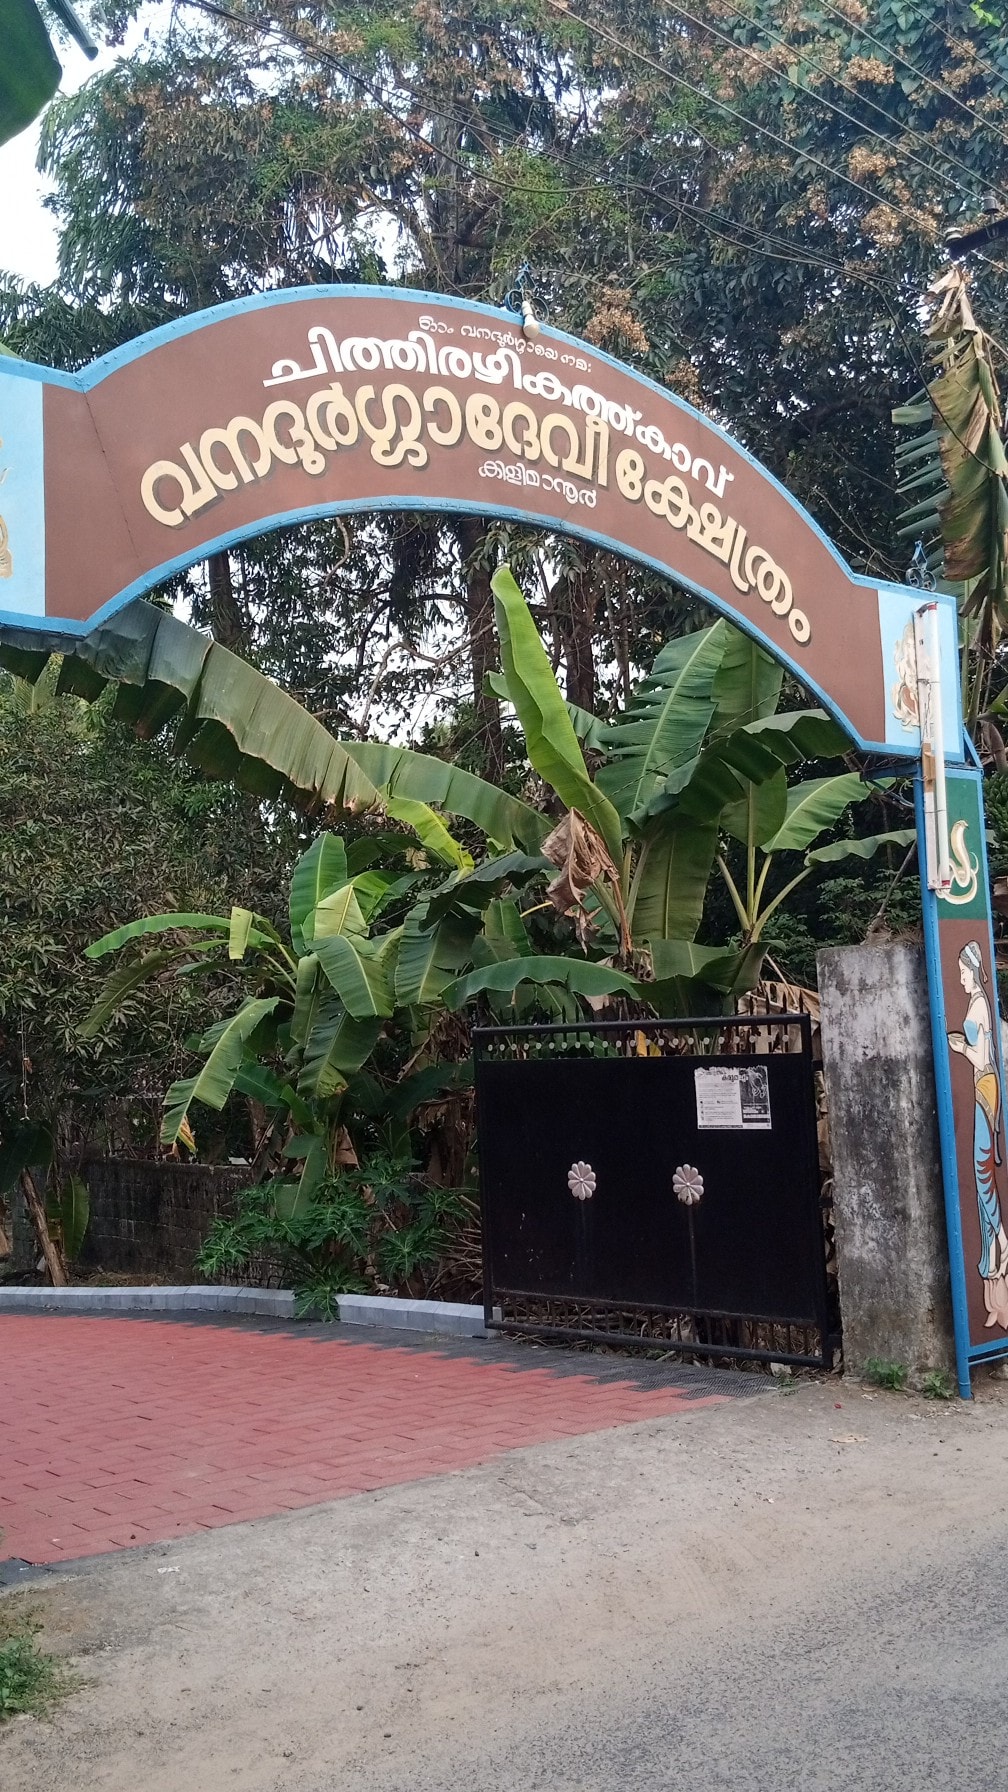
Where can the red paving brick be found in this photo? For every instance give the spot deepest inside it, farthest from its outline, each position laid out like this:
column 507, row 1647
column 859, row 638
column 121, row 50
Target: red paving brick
column 119, row 1432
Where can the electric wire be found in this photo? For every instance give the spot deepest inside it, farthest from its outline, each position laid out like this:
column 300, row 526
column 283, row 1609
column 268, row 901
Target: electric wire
column 944, row 92
column 879, row 286
column 955, row 43
column 603, row 33
column 863, row 99
column 760, row 240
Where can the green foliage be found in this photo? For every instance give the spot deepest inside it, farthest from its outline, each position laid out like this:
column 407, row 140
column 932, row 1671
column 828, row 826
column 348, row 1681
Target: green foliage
column 31, row 1680
column 379, row 1226
column 937, row 1385
column 550, row 740
column 884, row 1374
column 95, row 825
column 699, row 754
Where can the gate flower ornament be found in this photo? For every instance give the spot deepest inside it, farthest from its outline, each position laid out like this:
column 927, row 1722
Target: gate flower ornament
column 581, row 1180
column 687, row 1183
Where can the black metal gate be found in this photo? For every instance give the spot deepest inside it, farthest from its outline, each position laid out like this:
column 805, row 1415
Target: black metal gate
column 644, row 1182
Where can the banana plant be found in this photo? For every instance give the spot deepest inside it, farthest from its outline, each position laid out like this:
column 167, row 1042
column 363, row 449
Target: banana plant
column 301, row 1040
column 232, row 723
column 700, row 756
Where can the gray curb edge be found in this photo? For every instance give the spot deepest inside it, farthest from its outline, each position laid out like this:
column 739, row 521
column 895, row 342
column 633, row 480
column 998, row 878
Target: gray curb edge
column 435, row 1317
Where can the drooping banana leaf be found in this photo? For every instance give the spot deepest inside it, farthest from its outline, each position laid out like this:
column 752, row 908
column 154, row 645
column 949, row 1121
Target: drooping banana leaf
column 866, row 848
column 505, row 820
column 235, row 723
column 133, row 976
column 431, row 830
column 813, row 806
column 262, row 1084
column 215, row 1079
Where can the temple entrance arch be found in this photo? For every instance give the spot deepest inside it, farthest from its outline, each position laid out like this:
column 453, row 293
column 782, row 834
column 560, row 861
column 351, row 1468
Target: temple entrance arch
column 326, row 401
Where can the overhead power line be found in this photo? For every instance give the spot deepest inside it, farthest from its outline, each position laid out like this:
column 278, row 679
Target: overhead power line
column 880, row 286
column 603, row 33
column 758, row 240
column 802, row 54
column 946, row 94
column 930, row 18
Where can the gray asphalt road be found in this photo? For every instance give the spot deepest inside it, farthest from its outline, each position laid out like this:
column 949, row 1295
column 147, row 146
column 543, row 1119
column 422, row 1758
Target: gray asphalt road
column 802, row 1591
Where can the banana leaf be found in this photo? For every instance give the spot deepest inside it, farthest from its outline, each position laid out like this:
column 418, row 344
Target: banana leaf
column 319, row 871
column 550, row 740
column 431, row 957
column 477, row 888
column 747, row 687
column 591, row 730
column 358, row 974
column 133, row 976
column 337, row 1047
column 235, row 723
column 401, row 772
column 262, row 1084
column 431, row 830
column 750, row 754
column 579, row 976
column 215, row 1079
column 865, row 848
column 29, row 71
column 671, row 877
column 69, row 1212
column 813, row 806
column 665, row 721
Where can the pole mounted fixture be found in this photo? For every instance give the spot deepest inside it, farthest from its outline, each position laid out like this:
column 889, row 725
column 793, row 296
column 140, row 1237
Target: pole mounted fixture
column 516, row 299
column 918, row 573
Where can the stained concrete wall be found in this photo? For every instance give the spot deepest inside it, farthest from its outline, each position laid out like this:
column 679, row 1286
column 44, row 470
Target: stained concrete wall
column 892, row 1253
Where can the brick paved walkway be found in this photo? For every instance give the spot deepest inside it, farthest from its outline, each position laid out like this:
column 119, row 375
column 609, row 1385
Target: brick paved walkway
column 120, row 1432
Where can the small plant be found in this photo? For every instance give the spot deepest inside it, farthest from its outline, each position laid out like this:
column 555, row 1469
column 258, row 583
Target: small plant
column 885, row 1375
column 30, row 1680
column 937, row 1385
column 376, row 1226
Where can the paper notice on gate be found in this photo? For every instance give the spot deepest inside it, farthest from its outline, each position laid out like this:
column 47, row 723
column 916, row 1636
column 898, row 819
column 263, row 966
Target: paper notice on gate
column 730, row 1100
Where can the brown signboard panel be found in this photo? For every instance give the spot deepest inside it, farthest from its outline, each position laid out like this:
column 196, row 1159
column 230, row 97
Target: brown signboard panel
column 314, row 402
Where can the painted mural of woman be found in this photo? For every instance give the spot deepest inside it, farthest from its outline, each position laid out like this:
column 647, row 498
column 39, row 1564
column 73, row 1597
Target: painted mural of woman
column 977, row 1043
